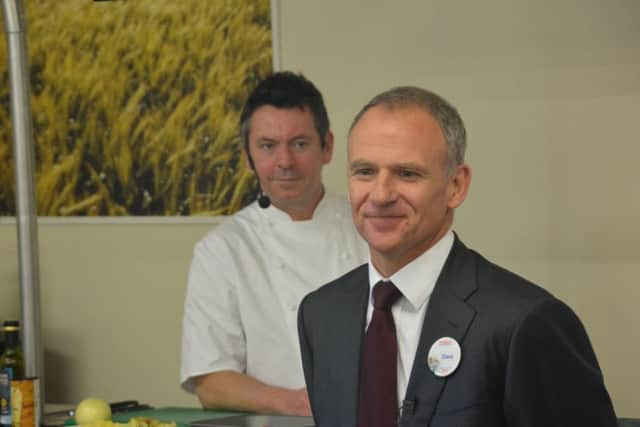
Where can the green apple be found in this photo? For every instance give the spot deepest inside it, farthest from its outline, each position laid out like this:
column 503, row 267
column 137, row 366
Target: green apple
column 92, row 410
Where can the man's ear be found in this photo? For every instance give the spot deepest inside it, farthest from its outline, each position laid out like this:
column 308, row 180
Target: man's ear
column 459, row 184
column 327, row 149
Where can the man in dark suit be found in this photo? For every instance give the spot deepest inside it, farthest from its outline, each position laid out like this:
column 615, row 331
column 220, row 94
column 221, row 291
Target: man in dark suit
column 430, row 333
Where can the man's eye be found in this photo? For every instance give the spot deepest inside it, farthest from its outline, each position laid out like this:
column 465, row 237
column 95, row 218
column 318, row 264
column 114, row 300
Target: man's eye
column 363, row 171
column 408, row 174
column 300, row 145
column 267, row 146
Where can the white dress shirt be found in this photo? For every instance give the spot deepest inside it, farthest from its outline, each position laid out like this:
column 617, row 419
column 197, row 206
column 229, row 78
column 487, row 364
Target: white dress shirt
column 415, row 281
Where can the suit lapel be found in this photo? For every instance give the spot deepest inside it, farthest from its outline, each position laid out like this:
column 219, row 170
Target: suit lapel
column 356, row 295
column 448, row 315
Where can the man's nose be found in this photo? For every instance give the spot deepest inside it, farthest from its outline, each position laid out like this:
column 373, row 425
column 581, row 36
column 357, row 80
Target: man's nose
column 285, row 157
column 383, row 191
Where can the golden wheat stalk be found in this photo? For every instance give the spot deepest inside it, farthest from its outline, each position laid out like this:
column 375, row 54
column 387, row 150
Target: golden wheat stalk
column 135, row 105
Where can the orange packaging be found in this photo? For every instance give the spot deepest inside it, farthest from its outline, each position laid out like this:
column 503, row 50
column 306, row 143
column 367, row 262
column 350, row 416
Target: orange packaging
column 25, row 402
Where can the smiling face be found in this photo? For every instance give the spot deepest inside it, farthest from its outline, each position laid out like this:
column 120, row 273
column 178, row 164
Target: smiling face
column 402, row 198
column 288, row 156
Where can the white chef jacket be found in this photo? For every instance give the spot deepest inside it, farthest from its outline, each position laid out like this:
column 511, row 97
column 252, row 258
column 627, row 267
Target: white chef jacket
column 247, row 278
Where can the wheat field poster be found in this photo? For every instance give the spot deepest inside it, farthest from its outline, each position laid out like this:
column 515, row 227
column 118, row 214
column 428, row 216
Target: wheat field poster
column 135, row 105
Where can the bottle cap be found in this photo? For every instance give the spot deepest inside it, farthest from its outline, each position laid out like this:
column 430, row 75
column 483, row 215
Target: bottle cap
column 11, row 325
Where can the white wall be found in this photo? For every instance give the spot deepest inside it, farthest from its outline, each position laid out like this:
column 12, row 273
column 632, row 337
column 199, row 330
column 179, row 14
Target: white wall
column 550, row 92
column 111, row 300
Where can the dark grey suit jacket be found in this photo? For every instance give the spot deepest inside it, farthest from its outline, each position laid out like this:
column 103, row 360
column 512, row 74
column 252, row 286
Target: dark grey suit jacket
column 526, row 358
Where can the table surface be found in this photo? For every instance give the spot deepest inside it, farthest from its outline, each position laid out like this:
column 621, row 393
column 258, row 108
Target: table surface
column 179, row 415
column 182, row 416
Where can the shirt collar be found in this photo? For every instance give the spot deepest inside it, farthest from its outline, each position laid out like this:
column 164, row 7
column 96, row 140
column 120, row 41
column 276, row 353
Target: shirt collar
column 276, row 215
column 417, row 279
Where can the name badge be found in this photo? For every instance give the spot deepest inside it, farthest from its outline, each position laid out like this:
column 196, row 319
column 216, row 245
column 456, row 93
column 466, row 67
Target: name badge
column 444, row 356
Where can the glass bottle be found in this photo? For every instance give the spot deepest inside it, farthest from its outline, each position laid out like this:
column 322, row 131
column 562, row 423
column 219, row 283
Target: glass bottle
column 11, row 368
column 12, row 359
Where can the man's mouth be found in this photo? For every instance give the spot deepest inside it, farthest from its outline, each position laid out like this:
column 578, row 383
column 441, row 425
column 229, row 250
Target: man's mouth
column 286, row 178
column 384, row 221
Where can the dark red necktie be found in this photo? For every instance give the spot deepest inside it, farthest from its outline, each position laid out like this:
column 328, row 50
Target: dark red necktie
column 378, row 400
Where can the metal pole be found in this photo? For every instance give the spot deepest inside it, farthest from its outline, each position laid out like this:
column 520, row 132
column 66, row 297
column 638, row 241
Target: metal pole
column 26, row 219
column 275, row 35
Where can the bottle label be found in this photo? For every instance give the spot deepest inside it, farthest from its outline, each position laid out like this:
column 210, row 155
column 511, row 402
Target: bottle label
column 24, row 402
column 5, row 396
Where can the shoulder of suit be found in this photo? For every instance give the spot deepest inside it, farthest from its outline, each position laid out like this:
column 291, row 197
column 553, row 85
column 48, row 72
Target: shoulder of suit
column 505, row 287
column 505, row 301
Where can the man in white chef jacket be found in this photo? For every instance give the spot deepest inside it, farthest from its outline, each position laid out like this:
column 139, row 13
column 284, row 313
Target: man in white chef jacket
column 248, row 275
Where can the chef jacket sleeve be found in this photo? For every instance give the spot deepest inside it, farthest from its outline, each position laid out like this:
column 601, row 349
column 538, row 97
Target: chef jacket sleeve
column 212, row 338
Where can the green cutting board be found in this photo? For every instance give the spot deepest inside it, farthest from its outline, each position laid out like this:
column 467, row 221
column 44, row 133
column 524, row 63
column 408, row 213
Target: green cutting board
column 181, row 416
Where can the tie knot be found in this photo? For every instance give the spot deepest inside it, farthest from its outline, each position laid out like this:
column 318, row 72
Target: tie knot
column 385, row 294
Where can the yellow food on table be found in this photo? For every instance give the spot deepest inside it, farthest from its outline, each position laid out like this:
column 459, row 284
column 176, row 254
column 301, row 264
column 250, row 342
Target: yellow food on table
column 133, row 422
column 92, row 410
